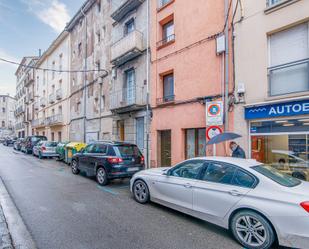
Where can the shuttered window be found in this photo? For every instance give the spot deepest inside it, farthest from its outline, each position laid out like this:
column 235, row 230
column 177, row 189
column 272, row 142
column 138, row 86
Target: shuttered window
column 289, row 60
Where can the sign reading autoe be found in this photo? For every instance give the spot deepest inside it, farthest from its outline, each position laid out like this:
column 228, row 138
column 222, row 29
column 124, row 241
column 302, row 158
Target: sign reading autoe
column 214, row 113
column 291, row 108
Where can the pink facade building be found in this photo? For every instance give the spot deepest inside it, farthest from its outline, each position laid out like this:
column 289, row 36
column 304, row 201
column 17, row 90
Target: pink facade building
column 186, row 71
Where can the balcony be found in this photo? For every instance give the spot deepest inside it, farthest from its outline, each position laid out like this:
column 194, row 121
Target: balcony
column 51, row 98
column 166, row 41
column 20, row 126
column 127, row 48
column 19, row 110
column 128, row 99
column 168, row 99
column 125, row 8
column 42, row 102
column 54, row 120
column 270, row 3
column 40, row 122
column 59, row 94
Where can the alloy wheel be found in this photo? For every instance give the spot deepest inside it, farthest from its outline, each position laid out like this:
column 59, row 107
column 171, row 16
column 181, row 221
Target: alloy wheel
column 74, row 167
column 141, row 192
column 101, row 176
column 251, row 231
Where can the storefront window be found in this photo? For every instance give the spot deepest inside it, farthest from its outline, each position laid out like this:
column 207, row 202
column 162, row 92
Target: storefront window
column 283, row 144
column 195, row 143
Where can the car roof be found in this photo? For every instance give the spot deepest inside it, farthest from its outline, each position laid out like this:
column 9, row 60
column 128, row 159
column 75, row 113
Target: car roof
column 111, row 142
column 245, row 163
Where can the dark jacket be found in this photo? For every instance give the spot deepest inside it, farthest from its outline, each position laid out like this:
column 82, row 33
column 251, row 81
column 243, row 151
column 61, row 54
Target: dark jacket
column 239, row 153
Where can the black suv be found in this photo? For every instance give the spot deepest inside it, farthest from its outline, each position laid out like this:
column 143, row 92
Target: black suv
column 108, row 160
column 30, row 141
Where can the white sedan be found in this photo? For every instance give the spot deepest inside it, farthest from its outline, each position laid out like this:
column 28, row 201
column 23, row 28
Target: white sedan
column 257, row 203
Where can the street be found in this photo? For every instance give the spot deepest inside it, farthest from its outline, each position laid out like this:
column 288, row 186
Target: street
column 62, row 210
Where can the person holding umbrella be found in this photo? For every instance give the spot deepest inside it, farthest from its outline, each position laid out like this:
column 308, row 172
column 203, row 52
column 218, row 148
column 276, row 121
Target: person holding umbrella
column 237, row 151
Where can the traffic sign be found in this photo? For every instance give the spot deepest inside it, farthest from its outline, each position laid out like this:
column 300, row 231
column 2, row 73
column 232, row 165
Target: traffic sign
column 213, row 131
column 214, row 113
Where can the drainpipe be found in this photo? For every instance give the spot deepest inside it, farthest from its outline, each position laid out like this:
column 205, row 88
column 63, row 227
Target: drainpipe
column 147, row 87
column 226, row 98
column 85, row 74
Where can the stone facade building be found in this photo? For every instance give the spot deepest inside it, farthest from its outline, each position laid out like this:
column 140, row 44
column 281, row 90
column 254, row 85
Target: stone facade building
column 51, row 106
column 90, row 34
column 129, row 73
column 7, row 118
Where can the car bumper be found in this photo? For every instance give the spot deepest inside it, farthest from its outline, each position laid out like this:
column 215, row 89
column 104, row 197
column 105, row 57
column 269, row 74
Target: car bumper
column 293, row 231
column 123, row 172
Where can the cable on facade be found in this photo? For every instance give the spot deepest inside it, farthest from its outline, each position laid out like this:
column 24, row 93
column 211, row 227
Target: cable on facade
column 52, row 70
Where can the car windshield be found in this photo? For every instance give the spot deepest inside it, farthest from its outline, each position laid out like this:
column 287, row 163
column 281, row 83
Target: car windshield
column 277, row 176
column 127, row 150
column 35, row 139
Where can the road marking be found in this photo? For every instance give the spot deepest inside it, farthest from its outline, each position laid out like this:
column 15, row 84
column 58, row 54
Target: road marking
column 107, row 190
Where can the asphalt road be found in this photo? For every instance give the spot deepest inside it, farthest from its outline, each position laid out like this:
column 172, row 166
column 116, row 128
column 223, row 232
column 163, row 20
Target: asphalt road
column 62, row 210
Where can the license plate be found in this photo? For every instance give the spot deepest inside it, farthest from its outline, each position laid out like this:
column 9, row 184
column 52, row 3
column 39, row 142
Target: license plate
column 133, row 169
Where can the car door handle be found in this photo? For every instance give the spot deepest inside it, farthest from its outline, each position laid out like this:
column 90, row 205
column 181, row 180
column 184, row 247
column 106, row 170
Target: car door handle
column 235, row 193
column 187, row 185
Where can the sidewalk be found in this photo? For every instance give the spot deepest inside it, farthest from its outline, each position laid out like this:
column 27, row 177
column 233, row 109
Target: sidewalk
column 5, row 236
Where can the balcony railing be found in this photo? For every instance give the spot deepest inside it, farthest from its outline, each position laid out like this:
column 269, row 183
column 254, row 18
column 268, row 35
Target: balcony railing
column 55, row 119
column 19, row 110
column 289, row 78
column 125, row 8
column 127, row 48
column 166, row 40
column 38, row 122
column 51, row 98
column 162, row 3
column 166, row 99
column 128, row 99
column 43, row 102
column 59, row 94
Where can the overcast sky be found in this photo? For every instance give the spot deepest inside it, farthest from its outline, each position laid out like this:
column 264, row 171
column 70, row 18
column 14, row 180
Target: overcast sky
column 25, row 27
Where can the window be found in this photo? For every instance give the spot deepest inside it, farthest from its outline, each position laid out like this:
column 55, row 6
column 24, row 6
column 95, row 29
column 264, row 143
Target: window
column 129, row 26
column 195, row 142
column 277, row 176
column 3, row 124
column 272, row 2
column 60, row 109
column 79, row 48
column 168, row 33
column 3, row 98
column 98, row 37
column 59, row 136
column 163, row 2
column 98, row 66
column 243, row 179
column 60, row 63
column 189, row 169
column 130, row 87
column 103, row 103
column 140, row 131
column 168, row 87
column 3, row 109
column 289, row 61
column 99, row 5
column 53, row 68
column 100, row 149
column 219, row 173
column 73, row 82
column 89, row 148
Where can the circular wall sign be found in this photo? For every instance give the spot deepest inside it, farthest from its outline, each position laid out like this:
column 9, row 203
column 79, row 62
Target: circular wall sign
column 214, row 110
column 213, row 131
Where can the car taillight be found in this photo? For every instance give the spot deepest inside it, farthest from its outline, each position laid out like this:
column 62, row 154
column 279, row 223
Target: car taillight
column 305, row 205
column 114, row 160
column 142, row 160
column 43, row 148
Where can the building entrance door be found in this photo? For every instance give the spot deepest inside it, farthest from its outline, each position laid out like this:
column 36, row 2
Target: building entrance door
column 166, row 148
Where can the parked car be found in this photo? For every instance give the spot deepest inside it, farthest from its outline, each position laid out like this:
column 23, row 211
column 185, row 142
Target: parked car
column 45, row 149
column 258, row 203
column 18, row 143
column 31, row 141
column 108, row 160
column 9, row 141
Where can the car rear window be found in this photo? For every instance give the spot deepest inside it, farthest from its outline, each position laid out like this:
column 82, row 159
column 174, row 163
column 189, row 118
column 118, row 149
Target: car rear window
column 51, row 144
column 35, row 139
column 277, row 176
column 127, row 150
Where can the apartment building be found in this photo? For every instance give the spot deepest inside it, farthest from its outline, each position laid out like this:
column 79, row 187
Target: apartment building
column 272, row 83
column 24, row 75
column 29, row 98
column 7, row 117
column 51, row 105
column 128, row 96
column 186, row 72
column 90, row 34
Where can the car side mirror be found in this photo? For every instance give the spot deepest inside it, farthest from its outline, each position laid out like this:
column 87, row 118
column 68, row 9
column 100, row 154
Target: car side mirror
column 167, row 173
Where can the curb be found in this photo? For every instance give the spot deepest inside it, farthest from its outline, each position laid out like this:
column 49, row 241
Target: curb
column 16, row 231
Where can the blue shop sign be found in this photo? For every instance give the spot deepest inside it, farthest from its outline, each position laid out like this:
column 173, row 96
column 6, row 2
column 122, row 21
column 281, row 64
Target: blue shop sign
column 278, row 110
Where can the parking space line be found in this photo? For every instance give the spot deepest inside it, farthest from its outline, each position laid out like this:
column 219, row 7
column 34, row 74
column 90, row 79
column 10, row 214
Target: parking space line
column 107, row 190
